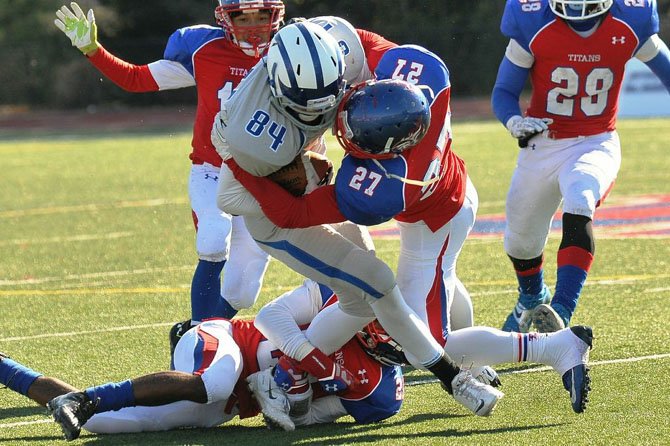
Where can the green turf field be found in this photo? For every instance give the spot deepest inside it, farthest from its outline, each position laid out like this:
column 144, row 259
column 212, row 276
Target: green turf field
column 97, row 253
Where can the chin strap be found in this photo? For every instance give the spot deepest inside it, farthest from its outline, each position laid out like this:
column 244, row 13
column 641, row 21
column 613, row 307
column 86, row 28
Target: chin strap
column 406, row 180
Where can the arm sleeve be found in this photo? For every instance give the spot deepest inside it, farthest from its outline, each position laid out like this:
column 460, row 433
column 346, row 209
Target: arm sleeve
column 322, row 410
column 130, row 77
column 285, row 210
column 506, row 92
column 280, row 320
column 660, row 62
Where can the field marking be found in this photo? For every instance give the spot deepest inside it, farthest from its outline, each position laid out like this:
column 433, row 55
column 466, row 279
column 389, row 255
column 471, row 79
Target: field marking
column 73, row 238
column 98, row 275
column 87, row 332
column 606, row 281
column 92, row 207
column 420, row 382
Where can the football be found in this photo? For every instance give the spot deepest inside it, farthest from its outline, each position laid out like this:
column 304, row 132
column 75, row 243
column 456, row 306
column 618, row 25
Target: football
column 305, row 173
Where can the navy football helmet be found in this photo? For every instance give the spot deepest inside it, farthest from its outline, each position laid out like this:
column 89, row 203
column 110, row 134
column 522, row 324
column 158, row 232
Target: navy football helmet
column 254, row 39
column 378, row 344
column 380, row 119
column 579, row 9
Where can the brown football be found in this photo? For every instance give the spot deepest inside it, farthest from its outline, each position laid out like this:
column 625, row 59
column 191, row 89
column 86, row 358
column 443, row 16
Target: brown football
column 295, row 178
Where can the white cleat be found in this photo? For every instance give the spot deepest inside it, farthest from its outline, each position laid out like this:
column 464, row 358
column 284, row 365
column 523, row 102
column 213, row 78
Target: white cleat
column 479, row 398
column 546, row 319
column 272, row 399
column 486, row 375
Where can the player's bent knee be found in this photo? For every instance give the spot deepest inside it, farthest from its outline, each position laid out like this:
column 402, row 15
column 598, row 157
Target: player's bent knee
column 218, row 380
column 524, row 246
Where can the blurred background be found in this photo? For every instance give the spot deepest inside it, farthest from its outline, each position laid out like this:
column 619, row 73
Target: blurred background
column 40, row 70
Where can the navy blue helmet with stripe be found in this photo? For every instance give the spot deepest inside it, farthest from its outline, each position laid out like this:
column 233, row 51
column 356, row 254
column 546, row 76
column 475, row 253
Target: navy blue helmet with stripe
column 306, row 72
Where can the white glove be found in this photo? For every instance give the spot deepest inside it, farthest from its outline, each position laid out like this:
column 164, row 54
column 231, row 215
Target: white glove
column 522, row 128
column 79, row 28
column 218, row 140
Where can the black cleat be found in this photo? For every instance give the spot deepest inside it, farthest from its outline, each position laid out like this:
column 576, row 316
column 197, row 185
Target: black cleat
column 577, row 380
column 176, row 332
column 71, row 411
column 4, row 356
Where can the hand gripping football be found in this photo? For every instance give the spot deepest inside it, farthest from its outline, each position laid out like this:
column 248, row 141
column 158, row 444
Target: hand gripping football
column 305, row 173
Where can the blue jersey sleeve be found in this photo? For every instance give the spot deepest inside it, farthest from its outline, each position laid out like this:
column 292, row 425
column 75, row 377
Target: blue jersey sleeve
column 382, row 403
column 642, row 17
column 415, row 65
column 660, row 65
column 365, row 195
column 523, row 19
column 507, row 90
column 184, row 42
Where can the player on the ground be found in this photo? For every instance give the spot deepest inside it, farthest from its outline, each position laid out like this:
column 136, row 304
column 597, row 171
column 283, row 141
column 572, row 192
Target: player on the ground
column 574, row 52
column 214, row 59
column 393, row 171
column 283, row 107
column 214, row 362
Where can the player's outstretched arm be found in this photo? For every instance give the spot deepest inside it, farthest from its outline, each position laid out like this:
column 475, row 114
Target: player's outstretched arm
column 80, row 28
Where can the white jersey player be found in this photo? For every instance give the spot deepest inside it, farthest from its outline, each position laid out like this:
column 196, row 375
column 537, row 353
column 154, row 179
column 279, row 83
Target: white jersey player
column 263, row 128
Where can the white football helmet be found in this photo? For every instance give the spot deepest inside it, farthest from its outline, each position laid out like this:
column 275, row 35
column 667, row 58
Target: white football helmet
column 305, row 73
column 579, row 9
column 350, row 43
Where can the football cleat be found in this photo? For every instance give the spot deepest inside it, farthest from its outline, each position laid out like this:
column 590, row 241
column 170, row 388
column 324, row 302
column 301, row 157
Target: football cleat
column 569, row 356
column 547, row 319
column 274, row 403
column 176, row 332
column 71, row 411
column 480, row 398
column 3, row 356
column 577, row 380
column 486, row 375
column 521, row 317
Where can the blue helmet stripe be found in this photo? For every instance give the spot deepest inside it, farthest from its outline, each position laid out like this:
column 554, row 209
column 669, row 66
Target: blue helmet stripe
column 311, row 45
column 287, row 62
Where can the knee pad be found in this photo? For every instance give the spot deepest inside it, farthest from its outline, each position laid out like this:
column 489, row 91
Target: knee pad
column 524, row 246
column 213, row 237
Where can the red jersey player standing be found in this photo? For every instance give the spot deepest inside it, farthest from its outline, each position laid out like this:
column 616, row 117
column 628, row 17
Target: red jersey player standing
column 575, row 52
column 214, row 60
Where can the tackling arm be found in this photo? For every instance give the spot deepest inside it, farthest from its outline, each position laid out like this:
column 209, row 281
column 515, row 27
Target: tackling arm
column 285, row 210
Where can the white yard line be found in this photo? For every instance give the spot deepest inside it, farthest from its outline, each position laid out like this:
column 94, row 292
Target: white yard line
column 98, row 275
column 92, row 207
column 73, row 238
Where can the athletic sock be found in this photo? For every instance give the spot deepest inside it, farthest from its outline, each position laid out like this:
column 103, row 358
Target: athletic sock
column 574, row 264
column 206, row 290
column 17, row 377
column 112, row 396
